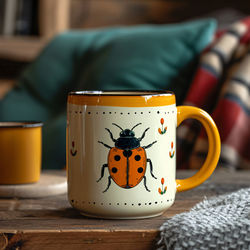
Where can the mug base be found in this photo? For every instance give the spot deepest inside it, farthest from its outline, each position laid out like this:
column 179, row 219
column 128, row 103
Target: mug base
column 120, row 217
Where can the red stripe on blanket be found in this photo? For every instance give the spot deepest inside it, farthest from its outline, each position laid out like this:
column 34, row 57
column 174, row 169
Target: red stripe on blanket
column 246, row 21
column 245, row 39
column 239, row 136
column 233, row 125
column 225, row 116
column 202, row 88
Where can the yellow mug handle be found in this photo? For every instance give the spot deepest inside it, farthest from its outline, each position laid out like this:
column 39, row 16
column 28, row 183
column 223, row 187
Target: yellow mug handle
column 214, row 146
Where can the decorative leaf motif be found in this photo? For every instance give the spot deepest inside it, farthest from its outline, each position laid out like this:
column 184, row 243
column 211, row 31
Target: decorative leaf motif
column 162, row 181
column 162, row 130
column 172, row 151
column 73, row 151
column 164, row 189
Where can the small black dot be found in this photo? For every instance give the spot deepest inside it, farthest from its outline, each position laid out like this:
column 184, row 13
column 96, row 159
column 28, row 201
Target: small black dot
column 158, row 112
column 132, row 204
column 117, row 157
column 97, row 113
column 125, row 204
column 149, row 203
column 121, row 113
column 118, row 204
column 94, row 203
column 156, row 202
column 149, row 112
column 110, row 112
column 114, row 170
column 103, row 112
column 110, row 204
column 135, row 112
column 89, row 113
column 128, row 113
column 167, row 200
column 139, row 204
column 72, row 201
column 76, row 112
column 137, row 157
column 145, row 203
column 115, row 112
column 141, row 112
column 161, row 201
column 101, row 203
column 140, row 170
column 80, row 112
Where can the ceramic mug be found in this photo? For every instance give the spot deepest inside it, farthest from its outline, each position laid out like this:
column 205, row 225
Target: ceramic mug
column 121, row 156
column 20, row 152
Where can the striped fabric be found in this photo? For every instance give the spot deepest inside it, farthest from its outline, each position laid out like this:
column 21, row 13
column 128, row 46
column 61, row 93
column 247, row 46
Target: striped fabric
column 221, row 86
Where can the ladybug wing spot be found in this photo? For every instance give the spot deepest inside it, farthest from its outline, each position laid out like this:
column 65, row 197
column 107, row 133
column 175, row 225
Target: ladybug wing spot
column 117, row 165
column 137, row 157
column 117, row 157
column 140, row 170
column 114, row 170
column 137, row 166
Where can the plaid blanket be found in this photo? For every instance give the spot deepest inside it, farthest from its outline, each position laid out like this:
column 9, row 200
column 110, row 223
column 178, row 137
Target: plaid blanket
column 221, row 86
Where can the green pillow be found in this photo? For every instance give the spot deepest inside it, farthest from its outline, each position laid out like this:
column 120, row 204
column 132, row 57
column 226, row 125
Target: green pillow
column 151, row 57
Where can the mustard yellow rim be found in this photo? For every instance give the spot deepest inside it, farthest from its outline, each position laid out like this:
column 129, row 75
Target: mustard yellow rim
column 214, row 146
column 122, row 98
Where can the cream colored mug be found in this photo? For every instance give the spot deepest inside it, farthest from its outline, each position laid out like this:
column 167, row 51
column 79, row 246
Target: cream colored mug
column 121, row 152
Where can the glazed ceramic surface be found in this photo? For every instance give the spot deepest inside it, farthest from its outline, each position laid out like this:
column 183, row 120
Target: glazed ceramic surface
column 121, row 155
column 20, row 152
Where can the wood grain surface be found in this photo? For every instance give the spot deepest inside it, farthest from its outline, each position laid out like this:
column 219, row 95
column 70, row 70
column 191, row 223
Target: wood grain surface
column 51, row 223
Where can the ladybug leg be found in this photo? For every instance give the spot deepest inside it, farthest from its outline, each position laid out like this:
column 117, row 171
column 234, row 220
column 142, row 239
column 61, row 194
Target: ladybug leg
column 151, row 168
column 111, row 135
column 144, row 177
column 105, row 145
column 109, row 182
column 102, row 172
column 150, row 145
column 143, row 134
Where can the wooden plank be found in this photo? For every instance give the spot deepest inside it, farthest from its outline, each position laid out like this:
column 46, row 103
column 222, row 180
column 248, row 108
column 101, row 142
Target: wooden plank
column 89, row 14
column 22, row 49
column 79, row 240
column 51, row 223
column 53, row 17
column 99, row 13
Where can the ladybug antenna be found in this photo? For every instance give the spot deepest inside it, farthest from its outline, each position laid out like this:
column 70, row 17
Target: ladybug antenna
column 136, row 125
column 118, row 126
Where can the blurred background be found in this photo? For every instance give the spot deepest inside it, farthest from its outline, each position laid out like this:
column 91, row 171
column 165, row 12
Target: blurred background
column 27, row 25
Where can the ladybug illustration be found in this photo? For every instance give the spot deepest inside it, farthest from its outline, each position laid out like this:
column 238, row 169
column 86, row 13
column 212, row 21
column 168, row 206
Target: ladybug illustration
column 127, row 160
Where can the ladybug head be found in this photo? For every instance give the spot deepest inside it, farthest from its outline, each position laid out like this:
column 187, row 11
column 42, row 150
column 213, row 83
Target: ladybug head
column 127, row 139
column 127, row 132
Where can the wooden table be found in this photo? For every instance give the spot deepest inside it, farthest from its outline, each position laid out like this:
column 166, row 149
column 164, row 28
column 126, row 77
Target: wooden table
column 51, row 223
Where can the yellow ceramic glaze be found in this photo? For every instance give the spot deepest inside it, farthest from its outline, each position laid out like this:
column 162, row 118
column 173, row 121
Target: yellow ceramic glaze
column 214, row 146
column 122, row 99
column 20, row 152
